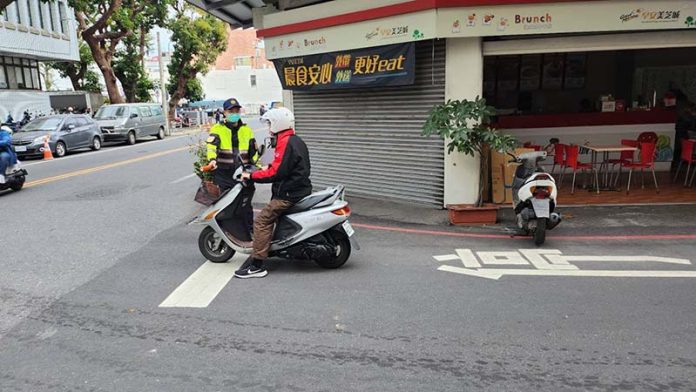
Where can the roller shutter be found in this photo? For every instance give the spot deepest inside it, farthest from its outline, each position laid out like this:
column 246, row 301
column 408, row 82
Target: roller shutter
column 369, row 139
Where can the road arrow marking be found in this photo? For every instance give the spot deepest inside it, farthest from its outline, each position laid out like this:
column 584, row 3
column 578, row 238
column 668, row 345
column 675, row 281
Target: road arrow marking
column 495, row 273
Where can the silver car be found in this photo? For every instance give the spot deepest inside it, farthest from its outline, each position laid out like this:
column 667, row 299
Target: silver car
column 66, row 132
column 131, row 121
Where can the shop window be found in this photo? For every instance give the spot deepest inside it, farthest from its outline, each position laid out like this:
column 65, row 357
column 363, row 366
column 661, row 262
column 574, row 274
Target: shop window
column 39, row 6
column 52, row 18
column 19, row 74
column 19, row 77
column 252, row 80
column 30, row 13
column 3, row 78
column 18, row 14
column 62, row 14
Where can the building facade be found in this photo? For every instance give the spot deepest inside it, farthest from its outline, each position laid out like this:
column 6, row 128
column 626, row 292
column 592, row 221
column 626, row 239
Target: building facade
column 592, row 71
column 32, row 31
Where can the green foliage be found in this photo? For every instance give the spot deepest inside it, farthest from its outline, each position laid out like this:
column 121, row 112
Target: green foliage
column 81, row 77
column 198, row 41
column 129, row 70
column 466, row 126
column 199, row 150
column 104, row 24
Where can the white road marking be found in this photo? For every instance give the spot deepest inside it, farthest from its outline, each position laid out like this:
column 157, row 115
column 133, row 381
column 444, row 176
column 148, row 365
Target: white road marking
column 201, row 288
column 184, row 178
column 552, row 262
column 468, row 258
column 495, row 273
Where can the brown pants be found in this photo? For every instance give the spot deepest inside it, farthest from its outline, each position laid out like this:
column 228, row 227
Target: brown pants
column 264, row 226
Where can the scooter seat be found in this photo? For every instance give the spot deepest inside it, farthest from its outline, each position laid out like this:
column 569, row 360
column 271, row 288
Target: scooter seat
column 312, row 200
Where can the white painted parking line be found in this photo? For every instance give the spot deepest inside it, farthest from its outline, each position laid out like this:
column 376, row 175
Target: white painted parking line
column 184, row 178
column 201, row 288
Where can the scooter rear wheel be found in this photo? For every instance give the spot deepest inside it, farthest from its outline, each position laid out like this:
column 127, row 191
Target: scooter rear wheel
column 343, row 249
column 213, row 247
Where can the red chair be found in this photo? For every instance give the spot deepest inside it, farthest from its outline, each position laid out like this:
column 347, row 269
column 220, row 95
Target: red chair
column 624, row 158
column 647, row 161
column 558, row 157
column 687, row 155
column 571, row 161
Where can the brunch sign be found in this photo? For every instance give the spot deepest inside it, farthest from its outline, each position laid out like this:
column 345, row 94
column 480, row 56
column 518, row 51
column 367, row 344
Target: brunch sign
column 566, row 17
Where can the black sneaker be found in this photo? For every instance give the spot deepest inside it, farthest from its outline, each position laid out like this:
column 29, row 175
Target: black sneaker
column 250, row 272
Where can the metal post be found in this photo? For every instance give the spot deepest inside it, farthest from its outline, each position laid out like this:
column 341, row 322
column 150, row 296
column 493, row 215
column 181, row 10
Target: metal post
column 163, row 89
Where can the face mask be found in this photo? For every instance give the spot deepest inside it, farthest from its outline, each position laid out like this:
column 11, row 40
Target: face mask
column 233, row 118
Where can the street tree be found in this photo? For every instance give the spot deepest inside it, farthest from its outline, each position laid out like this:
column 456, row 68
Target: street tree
column 104, row 24
column 198, row 41
column 81, row 76
column 128, row 68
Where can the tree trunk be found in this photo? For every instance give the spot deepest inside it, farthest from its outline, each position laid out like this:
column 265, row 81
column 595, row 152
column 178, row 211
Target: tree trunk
column 142, row 45
column 179, row 92
column 106, row 69
column 483, row 177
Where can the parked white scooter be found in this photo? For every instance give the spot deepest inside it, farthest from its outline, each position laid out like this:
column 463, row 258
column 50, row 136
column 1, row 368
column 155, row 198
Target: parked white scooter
column 316, row 228
column 534, row 196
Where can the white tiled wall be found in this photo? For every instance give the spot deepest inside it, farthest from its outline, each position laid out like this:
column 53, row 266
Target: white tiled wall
column 25, row 40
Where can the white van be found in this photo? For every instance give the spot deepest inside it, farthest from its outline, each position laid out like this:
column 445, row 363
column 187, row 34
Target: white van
column 131, row 121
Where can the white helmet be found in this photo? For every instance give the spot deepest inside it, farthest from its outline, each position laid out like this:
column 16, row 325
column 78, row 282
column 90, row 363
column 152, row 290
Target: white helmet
column 279, row 120
column 6, row 129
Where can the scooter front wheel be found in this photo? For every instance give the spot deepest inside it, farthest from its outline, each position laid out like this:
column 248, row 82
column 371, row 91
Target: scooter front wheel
column 213, row 247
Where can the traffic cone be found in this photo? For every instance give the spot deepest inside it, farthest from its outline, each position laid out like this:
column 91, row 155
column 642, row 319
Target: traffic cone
column 47, row 150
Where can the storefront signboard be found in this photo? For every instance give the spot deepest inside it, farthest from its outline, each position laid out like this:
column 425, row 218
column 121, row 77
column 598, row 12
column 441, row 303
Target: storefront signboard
column 411, row 27
column 391, row 65
column 566, row 17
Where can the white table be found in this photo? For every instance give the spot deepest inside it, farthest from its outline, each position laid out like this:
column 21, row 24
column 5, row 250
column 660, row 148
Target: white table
column 606, row 150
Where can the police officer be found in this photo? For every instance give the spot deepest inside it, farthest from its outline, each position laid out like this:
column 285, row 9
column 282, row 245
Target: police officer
column 230, row 144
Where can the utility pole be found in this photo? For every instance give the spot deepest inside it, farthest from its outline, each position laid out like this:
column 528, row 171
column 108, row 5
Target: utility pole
column 163, row 89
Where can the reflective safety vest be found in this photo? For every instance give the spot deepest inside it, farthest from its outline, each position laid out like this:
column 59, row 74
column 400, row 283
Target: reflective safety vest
column 229, row 146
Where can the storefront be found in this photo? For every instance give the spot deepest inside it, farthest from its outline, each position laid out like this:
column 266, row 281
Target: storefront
column 583, row 72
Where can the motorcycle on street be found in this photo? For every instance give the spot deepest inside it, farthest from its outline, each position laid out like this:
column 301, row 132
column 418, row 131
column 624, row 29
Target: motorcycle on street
column 316, row 228
column 15, row 177
column 534, row 195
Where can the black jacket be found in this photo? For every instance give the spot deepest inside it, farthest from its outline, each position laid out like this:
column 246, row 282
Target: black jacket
column 290, row 169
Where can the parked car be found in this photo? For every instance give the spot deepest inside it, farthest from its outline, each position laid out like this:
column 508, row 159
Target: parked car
column 67, row 132
column 131, row 121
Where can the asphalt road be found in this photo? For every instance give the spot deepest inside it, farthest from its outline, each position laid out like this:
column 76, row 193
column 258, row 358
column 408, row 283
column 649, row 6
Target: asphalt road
column 97, row 241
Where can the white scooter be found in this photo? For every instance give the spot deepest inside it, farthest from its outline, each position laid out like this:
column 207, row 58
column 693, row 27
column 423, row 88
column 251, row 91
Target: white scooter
column 534, row 196
column 316, row 228
column 15, row 177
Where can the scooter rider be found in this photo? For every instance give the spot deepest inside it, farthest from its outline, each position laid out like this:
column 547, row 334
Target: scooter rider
column 289, row 172
column 230, row 144
column 7, row 155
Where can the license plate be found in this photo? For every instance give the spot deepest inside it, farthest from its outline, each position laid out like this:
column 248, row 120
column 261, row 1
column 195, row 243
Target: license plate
column 541, row 208
column 348, row 228
column 20, row 148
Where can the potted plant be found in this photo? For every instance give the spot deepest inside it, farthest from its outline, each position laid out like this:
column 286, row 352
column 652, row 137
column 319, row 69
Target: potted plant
column 208, row 190
column 466, row 125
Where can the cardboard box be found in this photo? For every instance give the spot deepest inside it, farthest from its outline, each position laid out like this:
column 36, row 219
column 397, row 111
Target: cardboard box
column 502, row 174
